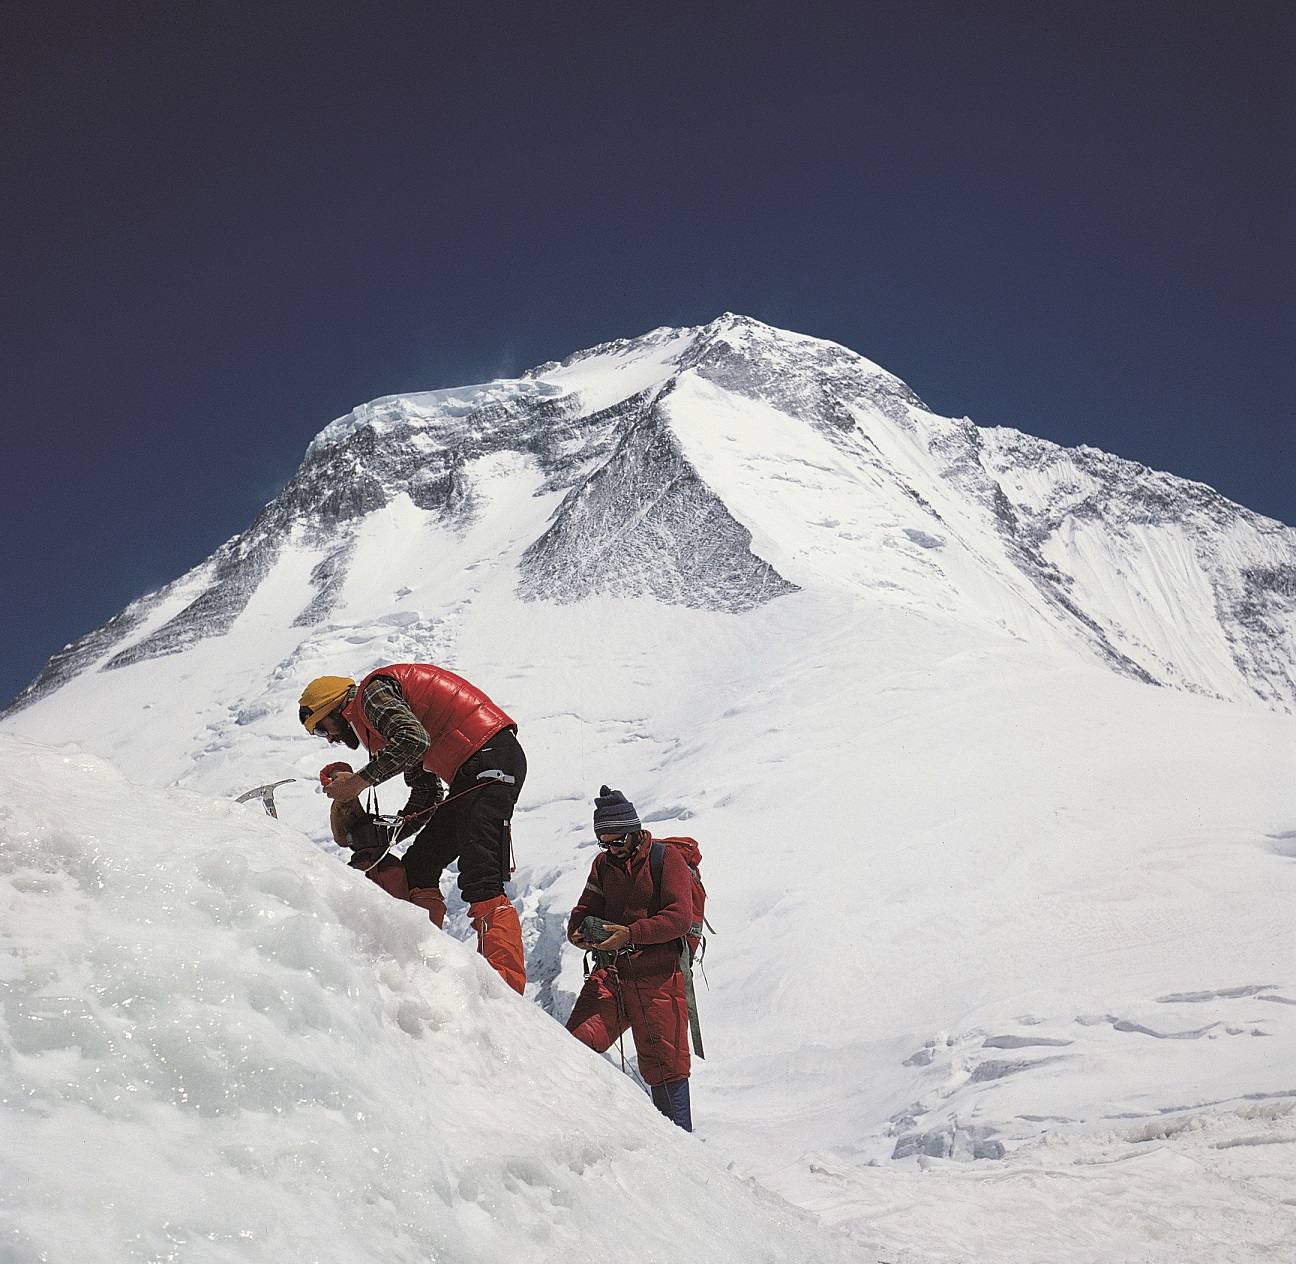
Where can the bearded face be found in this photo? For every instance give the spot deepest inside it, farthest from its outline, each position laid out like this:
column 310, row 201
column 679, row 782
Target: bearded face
column 347, row 735
column 337, row 728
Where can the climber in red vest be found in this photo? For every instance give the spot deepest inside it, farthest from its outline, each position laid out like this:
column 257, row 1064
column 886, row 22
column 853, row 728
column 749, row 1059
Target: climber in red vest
column 427, row 722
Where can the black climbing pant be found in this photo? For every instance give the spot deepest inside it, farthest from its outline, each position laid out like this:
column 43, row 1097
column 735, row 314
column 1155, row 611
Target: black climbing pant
column 474, row 823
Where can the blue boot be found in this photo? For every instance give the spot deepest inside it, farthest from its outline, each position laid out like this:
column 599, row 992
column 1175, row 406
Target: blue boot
column 672, row 1099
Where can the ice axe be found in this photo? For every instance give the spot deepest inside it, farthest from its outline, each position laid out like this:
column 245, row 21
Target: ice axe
column 266, row 794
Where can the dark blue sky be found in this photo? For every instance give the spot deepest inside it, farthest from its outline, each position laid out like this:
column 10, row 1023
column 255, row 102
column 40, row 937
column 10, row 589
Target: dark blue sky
column 225, row 224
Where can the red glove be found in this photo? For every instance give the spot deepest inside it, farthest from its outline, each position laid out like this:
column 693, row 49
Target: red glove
column 332, row 771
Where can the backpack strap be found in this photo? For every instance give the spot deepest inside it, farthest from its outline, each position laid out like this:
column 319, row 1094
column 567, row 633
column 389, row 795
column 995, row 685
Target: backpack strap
column 656, row 861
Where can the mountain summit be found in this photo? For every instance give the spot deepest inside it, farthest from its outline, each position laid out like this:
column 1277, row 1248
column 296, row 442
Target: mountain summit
column 724, row 466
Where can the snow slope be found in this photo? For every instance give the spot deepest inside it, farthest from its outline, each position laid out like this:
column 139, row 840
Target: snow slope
column 219, row 1047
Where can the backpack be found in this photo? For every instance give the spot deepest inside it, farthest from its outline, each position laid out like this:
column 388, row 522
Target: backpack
column 694, row 940
column 693, row 944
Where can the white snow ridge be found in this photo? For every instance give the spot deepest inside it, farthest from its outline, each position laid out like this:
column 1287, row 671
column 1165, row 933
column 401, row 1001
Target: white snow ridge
column 987, row 743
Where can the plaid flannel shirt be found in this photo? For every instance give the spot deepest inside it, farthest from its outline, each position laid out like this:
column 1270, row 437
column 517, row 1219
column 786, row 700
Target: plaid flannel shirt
column 388, row 713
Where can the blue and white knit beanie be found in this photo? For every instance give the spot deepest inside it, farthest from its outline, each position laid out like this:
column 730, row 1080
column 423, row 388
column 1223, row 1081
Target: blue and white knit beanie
column 614, row 813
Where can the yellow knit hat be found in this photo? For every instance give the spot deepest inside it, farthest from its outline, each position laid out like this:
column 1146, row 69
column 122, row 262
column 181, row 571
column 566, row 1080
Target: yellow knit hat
column 320, row 697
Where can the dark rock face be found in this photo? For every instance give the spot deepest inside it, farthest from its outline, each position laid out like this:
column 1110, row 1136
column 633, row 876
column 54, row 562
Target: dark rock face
column 815, row 380
column 1260, row 604
column 327, row 579
column 645, row 525
column 337, row 486
column 1254, row 601
column 240, row 567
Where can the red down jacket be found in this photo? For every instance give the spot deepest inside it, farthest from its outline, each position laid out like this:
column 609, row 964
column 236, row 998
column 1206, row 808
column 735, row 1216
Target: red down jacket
column 623, row 893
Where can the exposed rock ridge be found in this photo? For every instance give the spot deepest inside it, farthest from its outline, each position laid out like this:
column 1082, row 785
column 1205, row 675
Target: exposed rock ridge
column 643, row 524
column 1248, row 560
column 959, row 446
column 393, row 449
column 800, row 376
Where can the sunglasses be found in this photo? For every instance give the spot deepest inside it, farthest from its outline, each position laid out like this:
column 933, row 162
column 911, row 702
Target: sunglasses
column 324, row 726
column 611, row 840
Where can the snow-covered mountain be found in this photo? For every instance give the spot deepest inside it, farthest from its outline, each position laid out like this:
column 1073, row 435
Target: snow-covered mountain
column 983, row 890
column 673, row 452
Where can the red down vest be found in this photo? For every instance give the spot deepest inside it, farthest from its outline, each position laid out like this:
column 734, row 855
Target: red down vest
column 459, row 718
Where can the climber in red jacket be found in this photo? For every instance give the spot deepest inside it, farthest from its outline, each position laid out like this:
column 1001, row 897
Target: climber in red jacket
column 427, row 722
column 638, row 982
